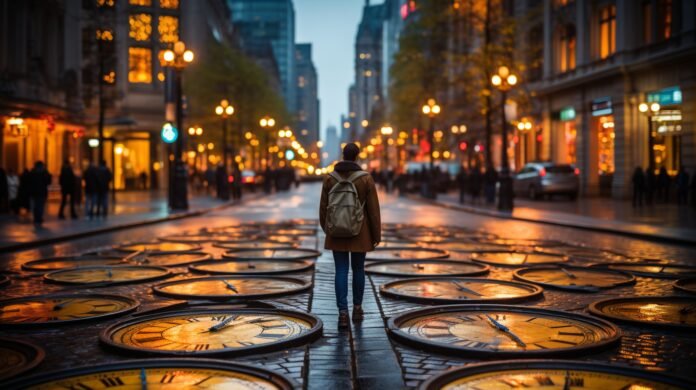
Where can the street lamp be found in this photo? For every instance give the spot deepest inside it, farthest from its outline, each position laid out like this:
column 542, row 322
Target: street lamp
column 224, row 110
column 431, row 109
column 267, row 124
column 650, row 110
column 504, row 80
column 386, row 132
column 523, row 126
column 178, row 58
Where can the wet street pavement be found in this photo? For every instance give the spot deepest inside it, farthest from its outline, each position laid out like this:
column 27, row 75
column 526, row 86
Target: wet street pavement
column 479, row 256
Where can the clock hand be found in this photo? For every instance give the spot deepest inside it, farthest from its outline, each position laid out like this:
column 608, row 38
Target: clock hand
column 230, row 286
column 143, row 379
column 465, row 289
column 570, row 274
column 221, row 324
column 506, row 330
column 59, row 306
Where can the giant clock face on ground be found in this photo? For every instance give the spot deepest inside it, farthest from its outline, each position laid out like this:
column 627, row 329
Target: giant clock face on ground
column 277, row 254
column 159, row 247
column 502, row 330
column 574, row 278
column 676, row 312
column 57, row 309
column 426, row 268
column 253, row 245
column 440, row 290
column 515, row 259
column 107, row 275
column 17, row 357
column 56, row 263
column 652, row 270
column 252, row 267
column 552, row 374
column 160, row 374
column 232, row 287
column 406, row 254
column 170, row 259
column 213, row 332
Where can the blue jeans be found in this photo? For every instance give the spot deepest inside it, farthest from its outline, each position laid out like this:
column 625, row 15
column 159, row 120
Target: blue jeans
column 357, row 262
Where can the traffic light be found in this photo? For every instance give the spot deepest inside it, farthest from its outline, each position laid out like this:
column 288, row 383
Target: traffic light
column 463, row 146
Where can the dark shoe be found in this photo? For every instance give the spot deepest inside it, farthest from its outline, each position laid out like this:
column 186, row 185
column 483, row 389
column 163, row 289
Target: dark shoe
column 343, row 319
column 358, row 314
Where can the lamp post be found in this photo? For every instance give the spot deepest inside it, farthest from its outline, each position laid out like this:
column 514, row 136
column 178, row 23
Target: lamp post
column 504, row 80
column 650, row 109
column 523, row 127
column 386, row 131
column 431, row 109
column 178, row 59
column 267, row 124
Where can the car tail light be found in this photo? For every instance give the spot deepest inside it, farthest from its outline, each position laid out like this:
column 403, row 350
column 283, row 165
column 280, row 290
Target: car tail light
column 542, row 172
column 577, row 171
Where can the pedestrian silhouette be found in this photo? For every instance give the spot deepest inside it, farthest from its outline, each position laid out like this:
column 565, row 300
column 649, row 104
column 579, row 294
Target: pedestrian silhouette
column 463, row 183
column 91, row 196
column 682, row 183
column 38, row 181
column 638, row 181
column 663, row 183
column 13, row 191
column 67, row 181
column 104, row 178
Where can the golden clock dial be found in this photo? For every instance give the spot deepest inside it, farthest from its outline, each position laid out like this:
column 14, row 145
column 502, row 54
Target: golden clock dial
column 426, row 268
column 430, row 238
column 159, row 247
column 56, row 263
column 523, row 242
column 283, row 239
column 213, row 332
column 574, row 278
column 652, row 269
column 232, row 230
column 552, row 374
column 401, row 253
column 170, row 259
column 575, row 251
column 294, row 232
column 161, row 374
column 470, row 246
column 276, row 254
column 203, row 238
column 502, row 330
column 230, row 287
column 107, row 275
column 252, row 267
column 514, row 259
column 262, row 244
column 440, row 290
column 686, row 285
column 678, row 312
column 17, row 357
column 58, row 309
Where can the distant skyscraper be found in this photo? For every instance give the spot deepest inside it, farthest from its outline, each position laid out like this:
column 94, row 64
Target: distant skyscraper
column 264, row 23
column 307, row 108
column 368, row 68
column 332, row 146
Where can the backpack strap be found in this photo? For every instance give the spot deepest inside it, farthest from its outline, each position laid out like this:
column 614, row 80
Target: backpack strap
column 353, row 176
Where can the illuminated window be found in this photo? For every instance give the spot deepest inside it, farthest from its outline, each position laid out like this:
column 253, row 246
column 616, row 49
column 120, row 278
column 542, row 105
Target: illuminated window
column 607, row 31
column 301, row 82
column 105, row 35
column 142, row 3
column 605, row 142
column 140, row 26
column 139, row 65
column 168, row 28
column 566, row 49
column 665, row 15
column 106, row 3
column 171, row 4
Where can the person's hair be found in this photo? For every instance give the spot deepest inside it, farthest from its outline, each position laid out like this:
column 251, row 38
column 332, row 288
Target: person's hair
column 350, row 152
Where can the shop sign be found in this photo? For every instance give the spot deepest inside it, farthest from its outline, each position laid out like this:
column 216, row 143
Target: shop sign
column 601, row 107
column 666, row 97
column 567, row 114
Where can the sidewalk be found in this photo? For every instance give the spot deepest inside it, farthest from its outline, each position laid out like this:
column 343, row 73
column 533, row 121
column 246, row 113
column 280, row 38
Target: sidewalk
column 668, row 222
column 130, row 208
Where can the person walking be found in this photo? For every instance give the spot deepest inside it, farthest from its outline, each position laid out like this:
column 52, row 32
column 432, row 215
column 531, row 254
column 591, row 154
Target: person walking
column 463, row 183
column 13, row 191
column 90, row 179
column 67, row 190
column 682, row 183
column 490, row 179
column 104, row 178
column 475, row 179
column 349, row 215
column 638, row 180
column 39, row 180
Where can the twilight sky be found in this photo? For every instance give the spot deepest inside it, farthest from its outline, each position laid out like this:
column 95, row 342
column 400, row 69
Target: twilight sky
column 330, row 25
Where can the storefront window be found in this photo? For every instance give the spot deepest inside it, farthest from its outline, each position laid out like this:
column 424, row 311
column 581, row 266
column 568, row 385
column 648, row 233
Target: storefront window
column 607, row 31
column 139, row 65
column 667, row 130
column 606, row 135
column 570, row 146
column 142, row 3
column 168, row 28
column 140, row 27
column 566, row 50
column 170, row 4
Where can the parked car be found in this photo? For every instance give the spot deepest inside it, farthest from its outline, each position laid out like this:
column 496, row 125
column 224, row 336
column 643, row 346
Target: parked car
column 537, row 179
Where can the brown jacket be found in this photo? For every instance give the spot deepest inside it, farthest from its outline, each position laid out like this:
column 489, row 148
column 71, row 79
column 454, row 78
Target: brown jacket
column 371, row 233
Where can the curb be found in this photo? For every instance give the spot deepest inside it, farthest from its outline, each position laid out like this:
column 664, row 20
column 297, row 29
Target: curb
column 125, row 226
column 498, row 214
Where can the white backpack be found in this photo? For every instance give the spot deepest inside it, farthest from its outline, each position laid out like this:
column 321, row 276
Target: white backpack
column 345, row 215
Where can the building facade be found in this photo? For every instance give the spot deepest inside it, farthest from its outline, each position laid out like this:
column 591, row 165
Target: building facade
column 602, row 60
column 307, row 108
column 367, row 94
column 270, row 23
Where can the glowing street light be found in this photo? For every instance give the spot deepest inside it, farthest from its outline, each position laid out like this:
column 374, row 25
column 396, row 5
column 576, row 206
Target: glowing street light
column 504, row 80
column 650, row 110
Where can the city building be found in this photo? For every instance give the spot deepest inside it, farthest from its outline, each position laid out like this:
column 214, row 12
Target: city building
column 307, row 108
column 602, row 61
column 332, row 146
column 263, row 24
column 396, row 13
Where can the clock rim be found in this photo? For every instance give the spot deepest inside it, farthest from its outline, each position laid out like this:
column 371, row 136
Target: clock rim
column 438, row 381
column 563, row 259
column 281, row 380
column 29, row 265
column 678, row 285
column 482, row 271
column 48, row 276
column 121, row 247
column 309, row 254
column 230, row 248
column 651, row 274
column 39, row 355
column 306, row 285
column 134, row 304
column 441, row 254
column 176, row 238
column 313, row 333
column 595, row 308
column 518, row 274
column 393, row 330
column 306, row 265
column 383, row 289
column 203, row 257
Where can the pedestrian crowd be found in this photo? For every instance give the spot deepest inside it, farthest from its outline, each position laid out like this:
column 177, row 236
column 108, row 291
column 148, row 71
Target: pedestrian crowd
column 649, row 188
column 29, row 191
